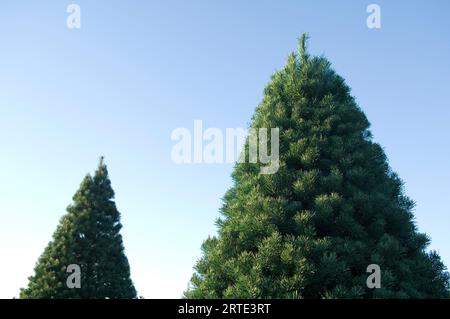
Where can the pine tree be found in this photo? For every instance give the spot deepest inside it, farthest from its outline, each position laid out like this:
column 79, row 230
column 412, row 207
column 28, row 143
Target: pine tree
column 87, row 236
column 334, row 206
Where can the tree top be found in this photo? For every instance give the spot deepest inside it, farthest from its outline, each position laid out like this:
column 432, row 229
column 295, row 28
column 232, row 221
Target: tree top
column 303, row 45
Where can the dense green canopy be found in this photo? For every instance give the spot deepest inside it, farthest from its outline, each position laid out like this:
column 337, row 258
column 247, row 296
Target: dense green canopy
column 334, row 207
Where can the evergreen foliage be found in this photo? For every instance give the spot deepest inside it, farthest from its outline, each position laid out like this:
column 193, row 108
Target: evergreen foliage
column 88, row 236
column 334, row 206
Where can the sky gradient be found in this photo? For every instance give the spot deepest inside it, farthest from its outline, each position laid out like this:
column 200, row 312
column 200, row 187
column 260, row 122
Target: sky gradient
column 137, row 70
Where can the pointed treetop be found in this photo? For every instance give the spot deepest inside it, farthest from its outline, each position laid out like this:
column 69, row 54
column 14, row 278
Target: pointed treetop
column 101, row 174
column 102, row 160
column 303, row 47
column 101, row 166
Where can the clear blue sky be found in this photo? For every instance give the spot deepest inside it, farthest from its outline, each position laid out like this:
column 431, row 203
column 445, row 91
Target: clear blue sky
column 137, row 70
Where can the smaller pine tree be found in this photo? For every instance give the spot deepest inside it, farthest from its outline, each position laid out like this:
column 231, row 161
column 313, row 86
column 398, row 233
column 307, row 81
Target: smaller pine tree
column 87, row 236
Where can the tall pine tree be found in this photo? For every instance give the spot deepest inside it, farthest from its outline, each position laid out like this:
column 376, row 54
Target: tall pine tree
column 334, row 207
column 87, row 236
